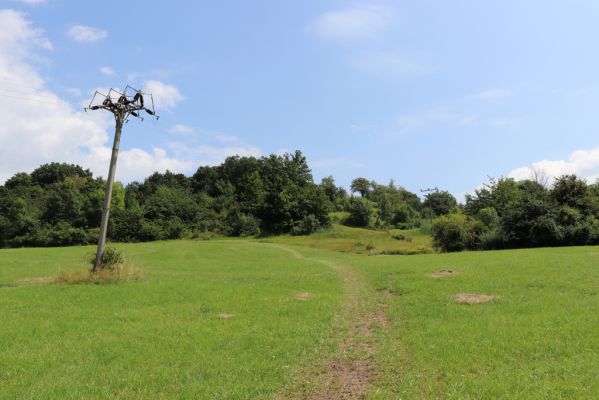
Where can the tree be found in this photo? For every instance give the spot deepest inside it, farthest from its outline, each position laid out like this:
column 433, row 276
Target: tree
column 441, row 203
column 570, row 191
column 361, row 185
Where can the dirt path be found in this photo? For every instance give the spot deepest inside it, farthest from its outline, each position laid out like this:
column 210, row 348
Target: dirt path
column 349, row 373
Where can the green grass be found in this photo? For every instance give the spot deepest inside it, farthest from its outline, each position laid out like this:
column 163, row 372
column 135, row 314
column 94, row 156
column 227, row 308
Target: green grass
column 162, row 338
column 537, row 340
column 361, row 241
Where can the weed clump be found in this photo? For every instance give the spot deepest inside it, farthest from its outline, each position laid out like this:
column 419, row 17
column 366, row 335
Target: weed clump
column 114, row 269
column 111, row 258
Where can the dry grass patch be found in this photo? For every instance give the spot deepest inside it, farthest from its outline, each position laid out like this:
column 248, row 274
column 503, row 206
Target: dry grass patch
column 303, row 296
column 116, row 274
column 443, row 273
column 224, row 316
column 468, row 298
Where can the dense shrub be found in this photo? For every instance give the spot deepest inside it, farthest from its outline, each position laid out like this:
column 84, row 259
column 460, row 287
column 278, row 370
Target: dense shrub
column 309, row 224
column 360, row 212
column 455, row 232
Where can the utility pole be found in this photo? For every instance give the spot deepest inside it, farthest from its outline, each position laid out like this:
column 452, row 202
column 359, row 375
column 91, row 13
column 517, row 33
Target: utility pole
column 129, row 102
column 428, row 192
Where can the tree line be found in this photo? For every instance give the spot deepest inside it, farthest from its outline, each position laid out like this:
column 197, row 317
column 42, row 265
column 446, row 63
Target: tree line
column 61, row 204
column 506, row 213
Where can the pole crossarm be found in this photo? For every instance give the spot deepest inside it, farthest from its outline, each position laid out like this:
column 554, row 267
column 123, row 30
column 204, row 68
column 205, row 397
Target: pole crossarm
column 123, row 104
column 129, row 102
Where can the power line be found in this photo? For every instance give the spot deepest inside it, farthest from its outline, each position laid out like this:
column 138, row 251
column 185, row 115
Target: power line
column 27, row 93
column 29, row 99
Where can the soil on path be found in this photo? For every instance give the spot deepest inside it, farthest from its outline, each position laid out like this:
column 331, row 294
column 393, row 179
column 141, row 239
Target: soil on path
column 349, row 373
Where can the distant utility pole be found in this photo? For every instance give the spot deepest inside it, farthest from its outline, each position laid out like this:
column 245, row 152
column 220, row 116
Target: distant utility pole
column 129, row 102
column 428, row 192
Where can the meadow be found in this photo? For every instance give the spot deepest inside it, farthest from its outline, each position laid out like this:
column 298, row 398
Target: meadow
column 283, row 318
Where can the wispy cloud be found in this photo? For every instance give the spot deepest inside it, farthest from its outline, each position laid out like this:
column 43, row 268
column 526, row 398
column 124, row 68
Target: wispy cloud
column 336, row 163
column 356, row 22
column 388, row 64
column 32, row 2
column 181, row 129
column 426, row 119
column 583, row 163
column 86, row 34
column 226, row 138
column 493, row 94
column 208, row 154
column 106, row 70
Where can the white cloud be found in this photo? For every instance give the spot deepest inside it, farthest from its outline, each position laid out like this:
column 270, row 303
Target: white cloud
column 181, row 129
column 493, row 94
column 388, row 64
column 583, row 163
column 357, row 22
column 82, row 33
column 165, row 96
column 106, row 70
column 133, row 164
column 37, row 126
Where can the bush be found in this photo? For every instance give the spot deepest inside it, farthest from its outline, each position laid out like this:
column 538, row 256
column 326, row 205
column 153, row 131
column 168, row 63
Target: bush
column 309, row 224
column 248, row 225
column 360, row 212
column 454, row 232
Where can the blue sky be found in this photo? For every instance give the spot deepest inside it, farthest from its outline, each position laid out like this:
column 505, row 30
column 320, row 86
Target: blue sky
column 426, row 93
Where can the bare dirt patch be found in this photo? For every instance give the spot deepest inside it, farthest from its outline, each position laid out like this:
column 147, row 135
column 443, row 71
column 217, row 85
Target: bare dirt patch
column 351, row 372
column 443, row 273
column 224, row 316
column 303, row 296
column 469, row 298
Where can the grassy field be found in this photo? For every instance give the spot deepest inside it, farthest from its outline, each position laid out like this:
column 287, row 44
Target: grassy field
column 249, row 319
column 362, row 241
column 211, row 320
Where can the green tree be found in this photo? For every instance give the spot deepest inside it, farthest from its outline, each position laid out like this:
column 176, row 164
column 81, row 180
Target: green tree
column 441, row 203
column 361, row 185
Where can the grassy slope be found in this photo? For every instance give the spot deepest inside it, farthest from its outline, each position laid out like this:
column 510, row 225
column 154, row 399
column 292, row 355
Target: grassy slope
column 538, row 340
column 361, row 241
column 162, row 337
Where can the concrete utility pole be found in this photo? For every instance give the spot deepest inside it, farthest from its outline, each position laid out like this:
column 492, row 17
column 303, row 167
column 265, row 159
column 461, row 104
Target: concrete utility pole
column 428, row 192
column 130, row 102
